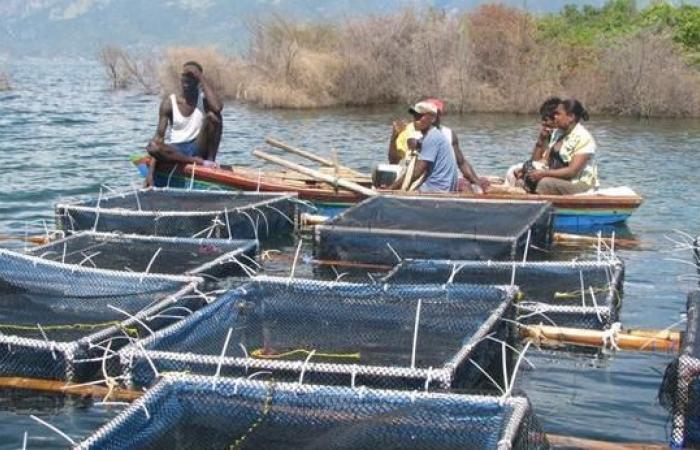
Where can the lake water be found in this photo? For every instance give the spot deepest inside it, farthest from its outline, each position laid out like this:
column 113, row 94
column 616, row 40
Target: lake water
column 64, row 134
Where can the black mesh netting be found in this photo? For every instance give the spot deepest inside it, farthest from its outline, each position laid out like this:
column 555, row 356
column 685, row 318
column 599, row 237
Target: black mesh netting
column 132, row 253
column 190, row 412
column 696, row 251
column 338, row 333
column 680, row 388
column 52, row 315
column 585, row 294
column 383, row 229
column 184, row 213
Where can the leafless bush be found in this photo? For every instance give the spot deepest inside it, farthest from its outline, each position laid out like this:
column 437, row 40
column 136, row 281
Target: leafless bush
column 124, row 69
column 644, row 75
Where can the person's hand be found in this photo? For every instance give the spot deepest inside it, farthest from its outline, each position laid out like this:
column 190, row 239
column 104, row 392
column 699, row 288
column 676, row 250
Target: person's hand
column 207, row 163
column 483, row 183
column 397, row 127
column 193, row 72
column 536, row 175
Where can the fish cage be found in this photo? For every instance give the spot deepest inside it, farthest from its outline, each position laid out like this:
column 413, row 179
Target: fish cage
column 56, row 319
column 387, row 229
column 576, row 293
column 680, row 389
column 187, row 411
column 380, row 335
column 152, row 254
column 184, row 213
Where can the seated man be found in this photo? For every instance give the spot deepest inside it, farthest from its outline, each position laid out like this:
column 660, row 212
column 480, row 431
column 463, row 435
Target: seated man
column 436, row 159
column 471, row 181
column 195, row 123
column 575, row 148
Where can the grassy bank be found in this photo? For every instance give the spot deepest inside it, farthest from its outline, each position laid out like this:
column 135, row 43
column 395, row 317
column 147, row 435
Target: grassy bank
column 617, row 59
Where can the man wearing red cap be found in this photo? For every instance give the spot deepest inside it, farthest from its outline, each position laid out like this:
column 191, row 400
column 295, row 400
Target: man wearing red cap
column 472, row 182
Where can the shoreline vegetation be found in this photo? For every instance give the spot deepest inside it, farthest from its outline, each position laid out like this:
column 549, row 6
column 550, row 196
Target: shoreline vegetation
column 617, row 59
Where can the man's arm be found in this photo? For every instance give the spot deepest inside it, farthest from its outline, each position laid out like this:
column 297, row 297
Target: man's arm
column 464, row 166
column 396, row 128
column 213, row 102
column 542, row 144
column 419, row 169
column 164, row 114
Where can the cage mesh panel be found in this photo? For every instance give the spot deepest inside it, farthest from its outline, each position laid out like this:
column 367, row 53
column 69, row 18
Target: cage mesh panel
column 201, row 412
column 680, row 388
column 70, row 307
column 184, row 213
column 549, row 288
column 338, row 320
column 696, row 251
column 136, row 253
column 376, row 229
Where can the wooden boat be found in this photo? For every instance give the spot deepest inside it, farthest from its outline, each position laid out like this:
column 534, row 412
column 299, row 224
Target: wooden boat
column 573, row 212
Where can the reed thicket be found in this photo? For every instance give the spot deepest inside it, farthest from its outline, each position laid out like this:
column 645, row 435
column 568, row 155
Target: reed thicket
column 615, row 59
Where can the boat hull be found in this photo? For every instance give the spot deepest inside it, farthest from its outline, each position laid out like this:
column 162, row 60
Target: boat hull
column 572, row 212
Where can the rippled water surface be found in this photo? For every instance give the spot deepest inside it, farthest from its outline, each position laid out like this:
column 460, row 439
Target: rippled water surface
column 63, row 135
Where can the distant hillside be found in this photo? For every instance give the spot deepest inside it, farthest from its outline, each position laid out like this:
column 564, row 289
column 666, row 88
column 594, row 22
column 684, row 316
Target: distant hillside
column 79, row 27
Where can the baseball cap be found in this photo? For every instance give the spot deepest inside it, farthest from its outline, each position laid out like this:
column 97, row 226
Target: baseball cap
column 423, row 107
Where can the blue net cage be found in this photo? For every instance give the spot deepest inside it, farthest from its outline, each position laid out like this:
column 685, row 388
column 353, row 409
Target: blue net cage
column 152, row 254
column 184, row 213
column 382, row 335
column 680, row 389
column 194, row 412
column 56, row 318
column 385, row 229
column 577, row 293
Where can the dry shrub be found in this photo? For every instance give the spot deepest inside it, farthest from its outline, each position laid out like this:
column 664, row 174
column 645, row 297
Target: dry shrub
column 490, row 60
column 125, row 69
column 644, row 75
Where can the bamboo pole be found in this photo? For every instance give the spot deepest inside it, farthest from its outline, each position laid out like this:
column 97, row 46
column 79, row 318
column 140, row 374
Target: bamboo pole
column 37, row 240
column 308, row 155
column 349, row 185
column 593, row 338
column 558, row 441
column 36, row 384
column 351, row 264
column 576, row 239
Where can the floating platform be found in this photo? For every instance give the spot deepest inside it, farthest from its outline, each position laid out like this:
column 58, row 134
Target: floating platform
column 381, row 335
column 152, row 254
column 578, row 293
column 386, row 230
column 58, row 320
column 186, row 411
column 184, row 213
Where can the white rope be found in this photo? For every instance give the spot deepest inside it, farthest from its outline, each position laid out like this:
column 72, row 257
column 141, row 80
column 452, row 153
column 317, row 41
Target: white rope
column 252, row 223
column 136, row 195
column 280, row 213
column 194, row 166
column 24, row 441
column 415, row 335
column 303, row 366
column 394, row 252
column 595, row 304
column 609, row 336
column 583, row 288
column 170, row 175
column 97, row 210
column 131, row 316
column 521, row 357
column 527, row 245
column 228, row 224
column 150, row 263
column 221, row 358
column 49, row 343
column 267, row 224
column 54, row 429
column 489, row 377
column 294, row 263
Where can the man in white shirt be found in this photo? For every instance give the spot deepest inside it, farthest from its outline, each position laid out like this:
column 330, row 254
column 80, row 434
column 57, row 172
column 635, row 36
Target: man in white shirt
column 194, row 119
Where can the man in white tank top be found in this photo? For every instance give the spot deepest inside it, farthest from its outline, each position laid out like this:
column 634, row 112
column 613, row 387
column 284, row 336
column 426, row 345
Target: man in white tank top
column 193, row 120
